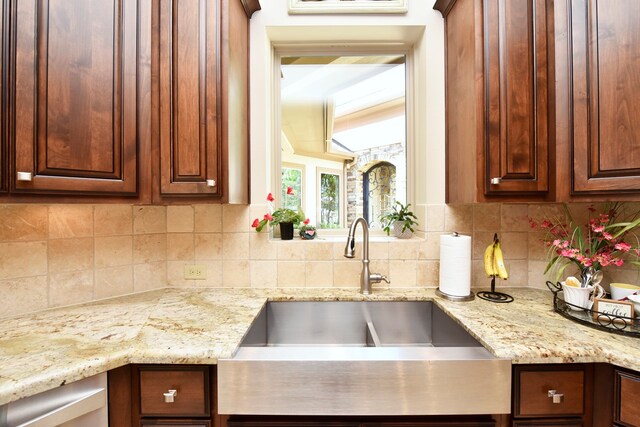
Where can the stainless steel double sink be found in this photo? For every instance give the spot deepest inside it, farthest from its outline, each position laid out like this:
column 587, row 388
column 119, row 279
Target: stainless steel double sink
column 361, row 358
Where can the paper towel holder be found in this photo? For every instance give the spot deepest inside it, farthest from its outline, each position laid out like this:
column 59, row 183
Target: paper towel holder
column 456, row 298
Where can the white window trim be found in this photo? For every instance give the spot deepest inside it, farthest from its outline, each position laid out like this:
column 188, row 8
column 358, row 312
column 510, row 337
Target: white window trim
column 336, row 6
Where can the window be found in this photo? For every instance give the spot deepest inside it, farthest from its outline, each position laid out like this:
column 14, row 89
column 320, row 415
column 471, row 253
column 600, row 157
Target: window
column 329, row 202
column 341, row 115
column 292, row 176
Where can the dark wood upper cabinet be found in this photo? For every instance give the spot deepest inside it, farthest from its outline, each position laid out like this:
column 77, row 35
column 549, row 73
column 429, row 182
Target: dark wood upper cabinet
column 517, row 96
column 499, row 82
column 189, row 90
column 605, row 96
column 74, row 96
column 4, row 16
column 203, row 81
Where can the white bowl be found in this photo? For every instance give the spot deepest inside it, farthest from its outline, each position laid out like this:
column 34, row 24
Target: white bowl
column 621, row 290
column 635, row 299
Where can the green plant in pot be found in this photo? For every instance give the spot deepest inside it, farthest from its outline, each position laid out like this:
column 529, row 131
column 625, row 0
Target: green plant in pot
column 401, row 220
column 284, row 217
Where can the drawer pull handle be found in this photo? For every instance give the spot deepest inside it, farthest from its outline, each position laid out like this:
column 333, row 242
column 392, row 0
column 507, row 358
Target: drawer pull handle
column 211, row 183
column 495, row 181
column 170, row 396
column 24, row 176
column 555, row 396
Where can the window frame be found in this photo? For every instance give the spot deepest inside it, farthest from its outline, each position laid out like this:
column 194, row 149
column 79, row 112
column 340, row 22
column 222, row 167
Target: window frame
column 303, row 180
column 280, row 50
column 341, row 199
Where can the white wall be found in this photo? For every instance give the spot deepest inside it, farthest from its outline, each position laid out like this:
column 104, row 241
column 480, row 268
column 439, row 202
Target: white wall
column 422, row 27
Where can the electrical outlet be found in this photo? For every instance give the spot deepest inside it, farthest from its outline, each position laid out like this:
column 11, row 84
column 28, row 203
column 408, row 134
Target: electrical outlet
column 195, row 272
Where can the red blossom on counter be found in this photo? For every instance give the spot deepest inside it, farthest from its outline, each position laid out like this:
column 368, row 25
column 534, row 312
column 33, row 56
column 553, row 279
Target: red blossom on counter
column 597, row 244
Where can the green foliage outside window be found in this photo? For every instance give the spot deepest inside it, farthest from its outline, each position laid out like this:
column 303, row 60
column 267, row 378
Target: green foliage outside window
column 329, row 200
column 291, row 177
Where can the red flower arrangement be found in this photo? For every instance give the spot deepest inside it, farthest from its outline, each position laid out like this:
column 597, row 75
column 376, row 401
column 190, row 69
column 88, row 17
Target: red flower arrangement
column 281, row 215
column 602, row 242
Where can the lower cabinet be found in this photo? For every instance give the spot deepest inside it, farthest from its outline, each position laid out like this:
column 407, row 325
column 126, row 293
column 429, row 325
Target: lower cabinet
column 552, row 395
column 569, row 395
column 626, row 406
column 162, row 395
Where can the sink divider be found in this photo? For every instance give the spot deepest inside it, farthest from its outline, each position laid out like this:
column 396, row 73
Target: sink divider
column 372, row 335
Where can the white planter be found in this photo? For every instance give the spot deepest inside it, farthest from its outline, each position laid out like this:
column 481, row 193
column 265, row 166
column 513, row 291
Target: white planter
column 397, row 231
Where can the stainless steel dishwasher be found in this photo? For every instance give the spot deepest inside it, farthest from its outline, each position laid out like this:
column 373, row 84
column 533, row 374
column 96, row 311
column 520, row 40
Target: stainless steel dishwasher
column 79, row 404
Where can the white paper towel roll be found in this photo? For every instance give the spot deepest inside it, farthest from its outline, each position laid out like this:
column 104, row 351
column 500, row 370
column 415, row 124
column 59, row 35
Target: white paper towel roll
column 455, row 264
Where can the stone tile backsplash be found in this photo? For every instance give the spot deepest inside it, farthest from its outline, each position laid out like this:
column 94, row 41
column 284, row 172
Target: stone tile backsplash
column 60, row 254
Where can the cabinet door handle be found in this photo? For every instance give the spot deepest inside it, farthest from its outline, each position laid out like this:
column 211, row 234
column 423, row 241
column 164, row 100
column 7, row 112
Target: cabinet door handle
column 170, row 396
column 211, row 183
column 555, row 396
column 495, row 181
column 24, row 176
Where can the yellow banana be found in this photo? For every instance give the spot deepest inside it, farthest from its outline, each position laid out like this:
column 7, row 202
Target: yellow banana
column 488, row 261
column 500, row 268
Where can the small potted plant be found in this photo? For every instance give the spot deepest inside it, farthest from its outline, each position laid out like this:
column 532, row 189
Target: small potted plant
column 307, row 232
column 401, row 220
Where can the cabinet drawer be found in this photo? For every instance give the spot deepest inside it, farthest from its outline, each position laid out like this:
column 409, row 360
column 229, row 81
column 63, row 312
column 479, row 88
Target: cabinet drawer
column 549, row 423
column 627, row 396
column 174, row 423
column 532, row 387
column 192, row 391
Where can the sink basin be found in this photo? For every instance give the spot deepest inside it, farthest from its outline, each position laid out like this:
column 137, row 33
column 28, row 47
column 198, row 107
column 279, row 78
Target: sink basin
column 361, row 358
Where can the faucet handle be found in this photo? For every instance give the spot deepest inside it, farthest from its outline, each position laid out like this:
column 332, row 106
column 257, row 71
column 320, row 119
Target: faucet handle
column 377, row 278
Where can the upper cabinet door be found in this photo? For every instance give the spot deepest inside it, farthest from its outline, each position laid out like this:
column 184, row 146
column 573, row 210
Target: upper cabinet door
column 605, row 43
column 75, row 96
column 4, row 15
column 517, row 96
column 189, row 91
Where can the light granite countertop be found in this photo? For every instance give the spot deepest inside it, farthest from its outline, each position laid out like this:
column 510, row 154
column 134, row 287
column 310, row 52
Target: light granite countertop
column 46, row 349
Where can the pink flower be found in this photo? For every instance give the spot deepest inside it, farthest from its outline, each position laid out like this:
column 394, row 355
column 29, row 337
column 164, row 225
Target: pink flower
column 268, row 217
column 256, row 222
column 619, row 262
column 586, row 262
column 597, row 228
column 270, row 197
column 607, row 236
column 290, row 191
column 306, row 221
column 568, row 253
column 310, row 232
column 622, row 246
column 532, row 223
column 604, row 218
column 546, row 224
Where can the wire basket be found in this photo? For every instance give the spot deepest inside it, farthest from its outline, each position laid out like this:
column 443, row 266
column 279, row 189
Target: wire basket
column 595, row 319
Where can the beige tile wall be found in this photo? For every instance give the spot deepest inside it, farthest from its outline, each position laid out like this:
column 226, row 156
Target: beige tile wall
column 54, row 255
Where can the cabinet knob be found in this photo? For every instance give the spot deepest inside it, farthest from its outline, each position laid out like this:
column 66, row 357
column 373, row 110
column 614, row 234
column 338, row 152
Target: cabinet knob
column 24, row 176
column 555, row 396
column 211, row 183
column 170, row 396
column 495, row 181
